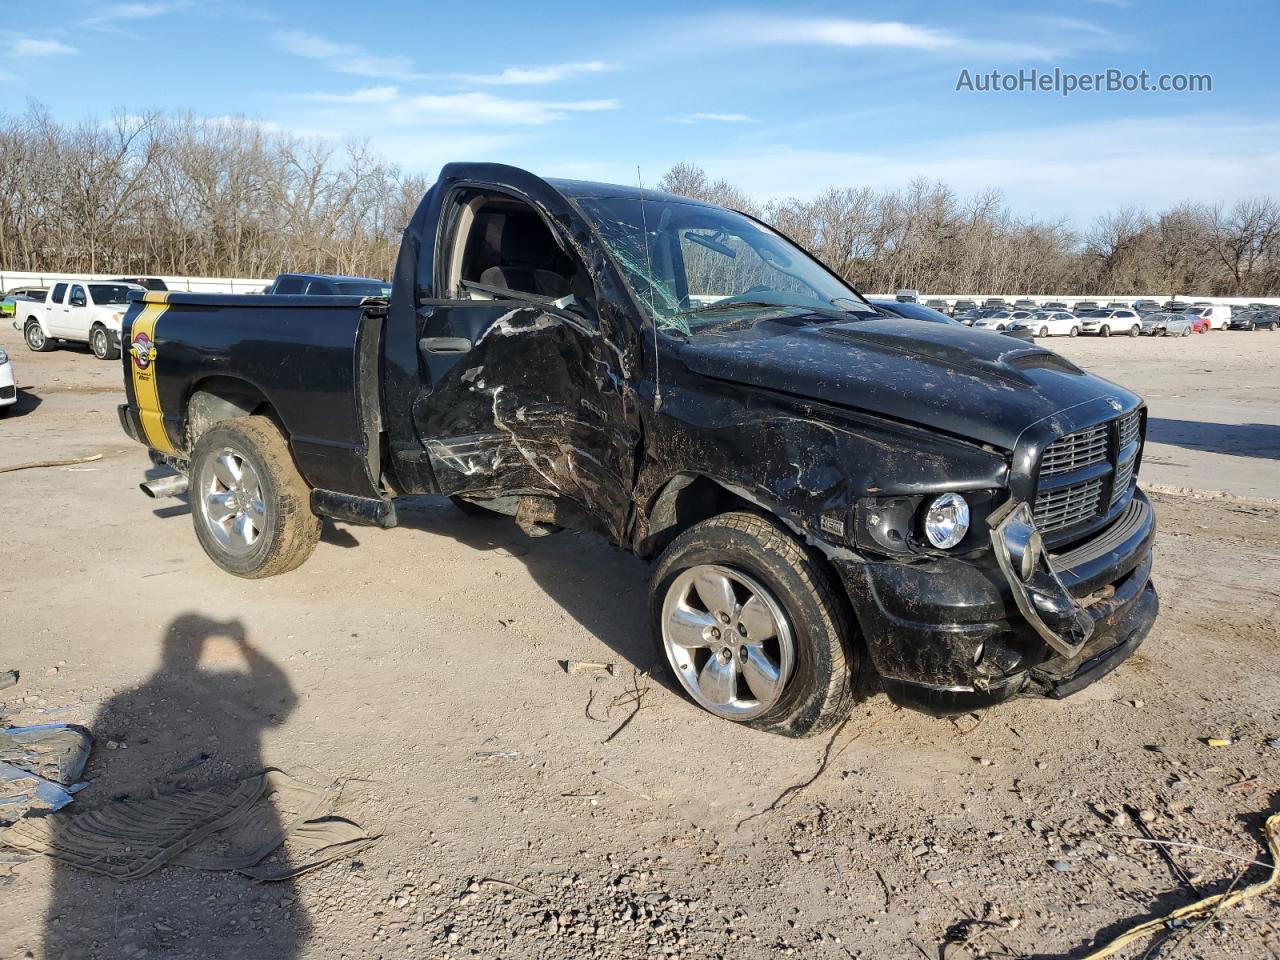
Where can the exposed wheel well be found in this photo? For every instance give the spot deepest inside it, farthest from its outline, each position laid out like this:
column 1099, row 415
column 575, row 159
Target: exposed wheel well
column 685, row 500
column 224, row 398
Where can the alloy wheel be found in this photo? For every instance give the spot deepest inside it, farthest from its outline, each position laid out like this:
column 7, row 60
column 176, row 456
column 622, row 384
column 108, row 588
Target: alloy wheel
column 231, row 501
column 728, row 641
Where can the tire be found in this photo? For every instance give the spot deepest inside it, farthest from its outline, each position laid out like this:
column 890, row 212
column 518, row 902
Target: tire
column 1186, row 331
column 1075, row 332
column 1105, row 331
column 759, row 559
column 1000, row 328
column 35, row 337
column 1135, row 330
column 100, row 344
column 1044, row 331
column 289, row 530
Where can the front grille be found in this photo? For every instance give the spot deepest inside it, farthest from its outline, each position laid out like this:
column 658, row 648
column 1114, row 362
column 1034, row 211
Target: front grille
column 8, row 393
column 1087, row 474
column 1075, row 451
column 1066, row 506
column 1130, row 426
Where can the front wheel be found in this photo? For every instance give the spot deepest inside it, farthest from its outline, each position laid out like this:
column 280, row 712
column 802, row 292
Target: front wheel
column 752, row 628
column 250, row 506
column 100, row 343
column 34, row 336
column 1105, row 331
column 1075, row 332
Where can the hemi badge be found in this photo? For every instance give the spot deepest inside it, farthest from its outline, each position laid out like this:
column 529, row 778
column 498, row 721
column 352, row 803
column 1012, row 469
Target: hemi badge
column 831, row 525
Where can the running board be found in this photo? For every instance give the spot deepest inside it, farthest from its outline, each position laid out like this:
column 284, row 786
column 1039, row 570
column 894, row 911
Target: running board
column 365, row 511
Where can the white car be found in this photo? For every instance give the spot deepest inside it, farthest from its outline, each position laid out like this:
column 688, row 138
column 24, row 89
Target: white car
column 8, row 385
column 1107, row 321
column 1218, row 316
column 1001, row 320
column 1049, row 323
column 81, row 311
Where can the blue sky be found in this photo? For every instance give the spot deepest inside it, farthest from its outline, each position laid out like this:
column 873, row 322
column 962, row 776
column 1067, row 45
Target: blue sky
column 782, row 101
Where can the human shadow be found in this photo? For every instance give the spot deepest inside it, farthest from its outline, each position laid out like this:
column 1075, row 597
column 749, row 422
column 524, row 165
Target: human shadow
column 603, row 587
column 198, row 720
column 1258, row 440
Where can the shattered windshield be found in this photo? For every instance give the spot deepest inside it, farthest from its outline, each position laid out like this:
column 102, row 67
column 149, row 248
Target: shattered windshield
column 706, row 266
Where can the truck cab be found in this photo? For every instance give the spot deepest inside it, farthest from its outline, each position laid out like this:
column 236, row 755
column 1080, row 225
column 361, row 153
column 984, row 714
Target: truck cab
column 826, row 493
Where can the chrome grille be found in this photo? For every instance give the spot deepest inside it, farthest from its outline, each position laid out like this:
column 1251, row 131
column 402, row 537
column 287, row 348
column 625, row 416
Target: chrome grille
column 1075, row 451
column 1066, row 506
column 1124, row 479
column 1130, row 426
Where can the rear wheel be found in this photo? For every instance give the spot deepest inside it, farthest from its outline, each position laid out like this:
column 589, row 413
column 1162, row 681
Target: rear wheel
column 752, row 628
column 250, row 506
column 100, row 343
column 1044, row 331
column 1075, row 332
column 1186, row 331
column 1135, row 330
column 34, row 336
column 1105, row 331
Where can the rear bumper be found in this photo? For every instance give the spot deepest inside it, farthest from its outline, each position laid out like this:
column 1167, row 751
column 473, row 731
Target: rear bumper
column 948, row 635
column 130, row 423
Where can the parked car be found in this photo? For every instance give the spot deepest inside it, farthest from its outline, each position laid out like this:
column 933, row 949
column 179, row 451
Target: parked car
column 1053, row 305
column 326, row 285
column 1167, row 324
column 147, row 283
column 1082, row 305
column 906, row 296
column 9, row 304
column 77, row 311
column 1050, row 323
column 1263, row 306
column 1117, row 305
column 1025, row 305
column 1107, row 320
column 917, row 311
column 936, row 304
column 963, row 306
column 1215, row 317
column 1174, row 306
column 8, row 384
column 995, row 303
column 1142, row 307
column 1000, row 319
column 1255, row 320
column 824, row 491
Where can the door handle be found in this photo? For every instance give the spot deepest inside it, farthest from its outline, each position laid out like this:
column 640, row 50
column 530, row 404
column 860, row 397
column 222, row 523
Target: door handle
column 453, row 345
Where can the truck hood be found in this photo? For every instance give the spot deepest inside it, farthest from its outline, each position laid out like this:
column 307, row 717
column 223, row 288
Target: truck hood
column 976, row 384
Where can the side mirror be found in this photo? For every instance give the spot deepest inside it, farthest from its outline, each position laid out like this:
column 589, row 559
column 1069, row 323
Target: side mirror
column 78, row 301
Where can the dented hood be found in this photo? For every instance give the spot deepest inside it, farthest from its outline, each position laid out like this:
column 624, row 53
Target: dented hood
column 971, row 383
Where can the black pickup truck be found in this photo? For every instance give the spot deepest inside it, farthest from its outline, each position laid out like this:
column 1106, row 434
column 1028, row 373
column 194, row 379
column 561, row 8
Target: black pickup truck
column 827, row 494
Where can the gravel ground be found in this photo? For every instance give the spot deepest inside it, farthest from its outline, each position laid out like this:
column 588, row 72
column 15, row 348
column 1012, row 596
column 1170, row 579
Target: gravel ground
column 418, row 676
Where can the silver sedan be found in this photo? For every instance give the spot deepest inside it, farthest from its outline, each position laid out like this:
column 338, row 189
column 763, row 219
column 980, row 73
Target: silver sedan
column 1166, row 325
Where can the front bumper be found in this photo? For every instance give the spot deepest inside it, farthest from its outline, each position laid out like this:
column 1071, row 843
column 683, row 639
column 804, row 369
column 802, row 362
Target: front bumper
column 948, row 634
column 8, row 386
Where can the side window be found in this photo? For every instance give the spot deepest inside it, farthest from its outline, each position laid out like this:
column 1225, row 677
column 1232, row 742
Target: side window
column 78, row 296
column 321, row 288
column 59, row 291
column 289, row 285
column 503, row 245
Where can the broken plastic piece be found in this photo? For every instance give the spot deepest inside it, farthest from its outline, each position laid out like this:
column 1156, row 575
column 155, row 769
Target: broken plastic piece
column 54, row 751
column 588, row 666
column 22, row 791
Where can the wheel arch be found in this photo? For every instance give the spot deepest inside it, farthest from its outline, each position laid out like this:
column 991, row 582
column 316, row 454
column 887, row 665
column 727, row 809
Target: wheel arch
column 217, row 398
column 682, row 501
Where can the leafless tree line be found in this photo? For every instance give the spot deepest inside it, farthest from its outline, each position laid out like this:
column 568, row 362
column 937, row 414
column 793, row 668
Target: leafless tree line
column 926, row 237
column 180, row 195
column 177, row 195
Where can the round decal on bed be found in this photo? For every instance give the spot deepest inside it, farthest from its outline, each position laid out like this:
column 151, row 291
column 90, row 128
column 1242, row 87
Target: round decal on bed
column 143, row 350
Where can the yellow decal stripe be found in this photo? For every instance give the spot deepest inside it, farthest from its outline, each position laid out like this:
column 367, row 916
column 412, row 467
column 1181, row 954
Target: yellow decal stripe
column 142, row 361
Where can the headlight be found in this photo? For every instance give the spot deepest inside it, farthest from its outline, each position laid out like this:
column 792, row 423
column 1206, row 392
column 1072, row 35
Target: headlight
column 4, row 357
column 946, row 520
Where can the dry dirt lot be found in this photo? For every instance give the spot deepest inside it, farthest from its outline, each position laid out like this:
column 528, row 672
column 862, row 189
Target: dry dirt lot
column 418, row 676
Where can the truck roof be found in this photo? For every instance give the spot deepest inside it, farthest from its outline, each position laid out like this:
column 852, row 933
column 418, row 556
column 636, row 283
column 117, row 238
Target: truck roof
column 591, row 190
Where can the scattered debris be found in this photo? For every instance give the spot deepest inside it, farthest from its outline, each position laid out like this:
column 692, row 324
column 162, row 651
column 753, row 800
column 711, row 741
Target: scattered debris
column 1208, row 907
column 8, row 678
column 53, row 751
column 1217, row 742
column 37, row 464
column 633, row 697
column 588, row 666
column 492, row 754
column 230, row 826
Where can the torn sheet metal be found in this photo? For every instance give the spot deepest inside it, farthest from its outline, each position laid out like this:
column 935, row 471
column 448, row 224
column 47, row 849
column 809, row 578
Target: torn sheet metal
column 230, row 826
column 54, row 751
column 22, row 792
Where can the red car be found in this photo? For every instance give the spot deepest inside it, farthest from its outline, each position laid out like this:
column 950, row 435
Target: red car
column 1199, row 324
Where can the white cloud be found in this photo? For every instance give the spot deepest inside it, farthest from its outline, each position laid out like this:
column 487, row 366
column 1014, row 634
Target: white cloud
column 26, row 47
column 1233, row 158
column 521, row 76
column 770, row 30
column 345, row 57
column 484, row 108
column 117, row 12
column 713, row 118
column 386, row 94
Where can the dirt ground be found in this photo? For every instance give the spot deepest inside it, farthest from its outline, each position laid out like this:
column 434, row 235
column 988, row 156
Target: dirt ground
column 521, row 815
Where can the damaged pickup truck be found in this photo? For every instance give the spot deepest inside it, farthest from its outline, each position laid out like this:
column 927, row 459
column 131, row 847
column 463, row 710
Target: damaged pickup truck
column 825, row 492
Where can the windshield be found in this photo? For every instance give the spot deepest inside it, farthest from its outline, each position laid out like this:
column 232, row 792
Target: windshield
column 109, row 293
column 360, row 289
column 704, row 266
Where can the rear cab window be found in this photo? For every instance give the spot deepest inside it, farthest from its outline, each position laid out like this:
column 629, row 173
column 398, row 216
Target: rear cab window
column 59, row 291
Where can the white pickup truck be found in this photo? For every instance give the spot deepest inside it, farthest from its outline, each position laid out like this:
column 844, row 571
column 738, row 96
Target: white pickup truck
column 81, row 311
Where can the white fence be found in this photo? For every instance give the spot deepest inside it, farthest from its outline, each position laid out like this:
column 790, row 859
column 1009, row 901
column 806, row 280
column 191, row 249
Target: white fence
column 11, row 279
column 1069, row 299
